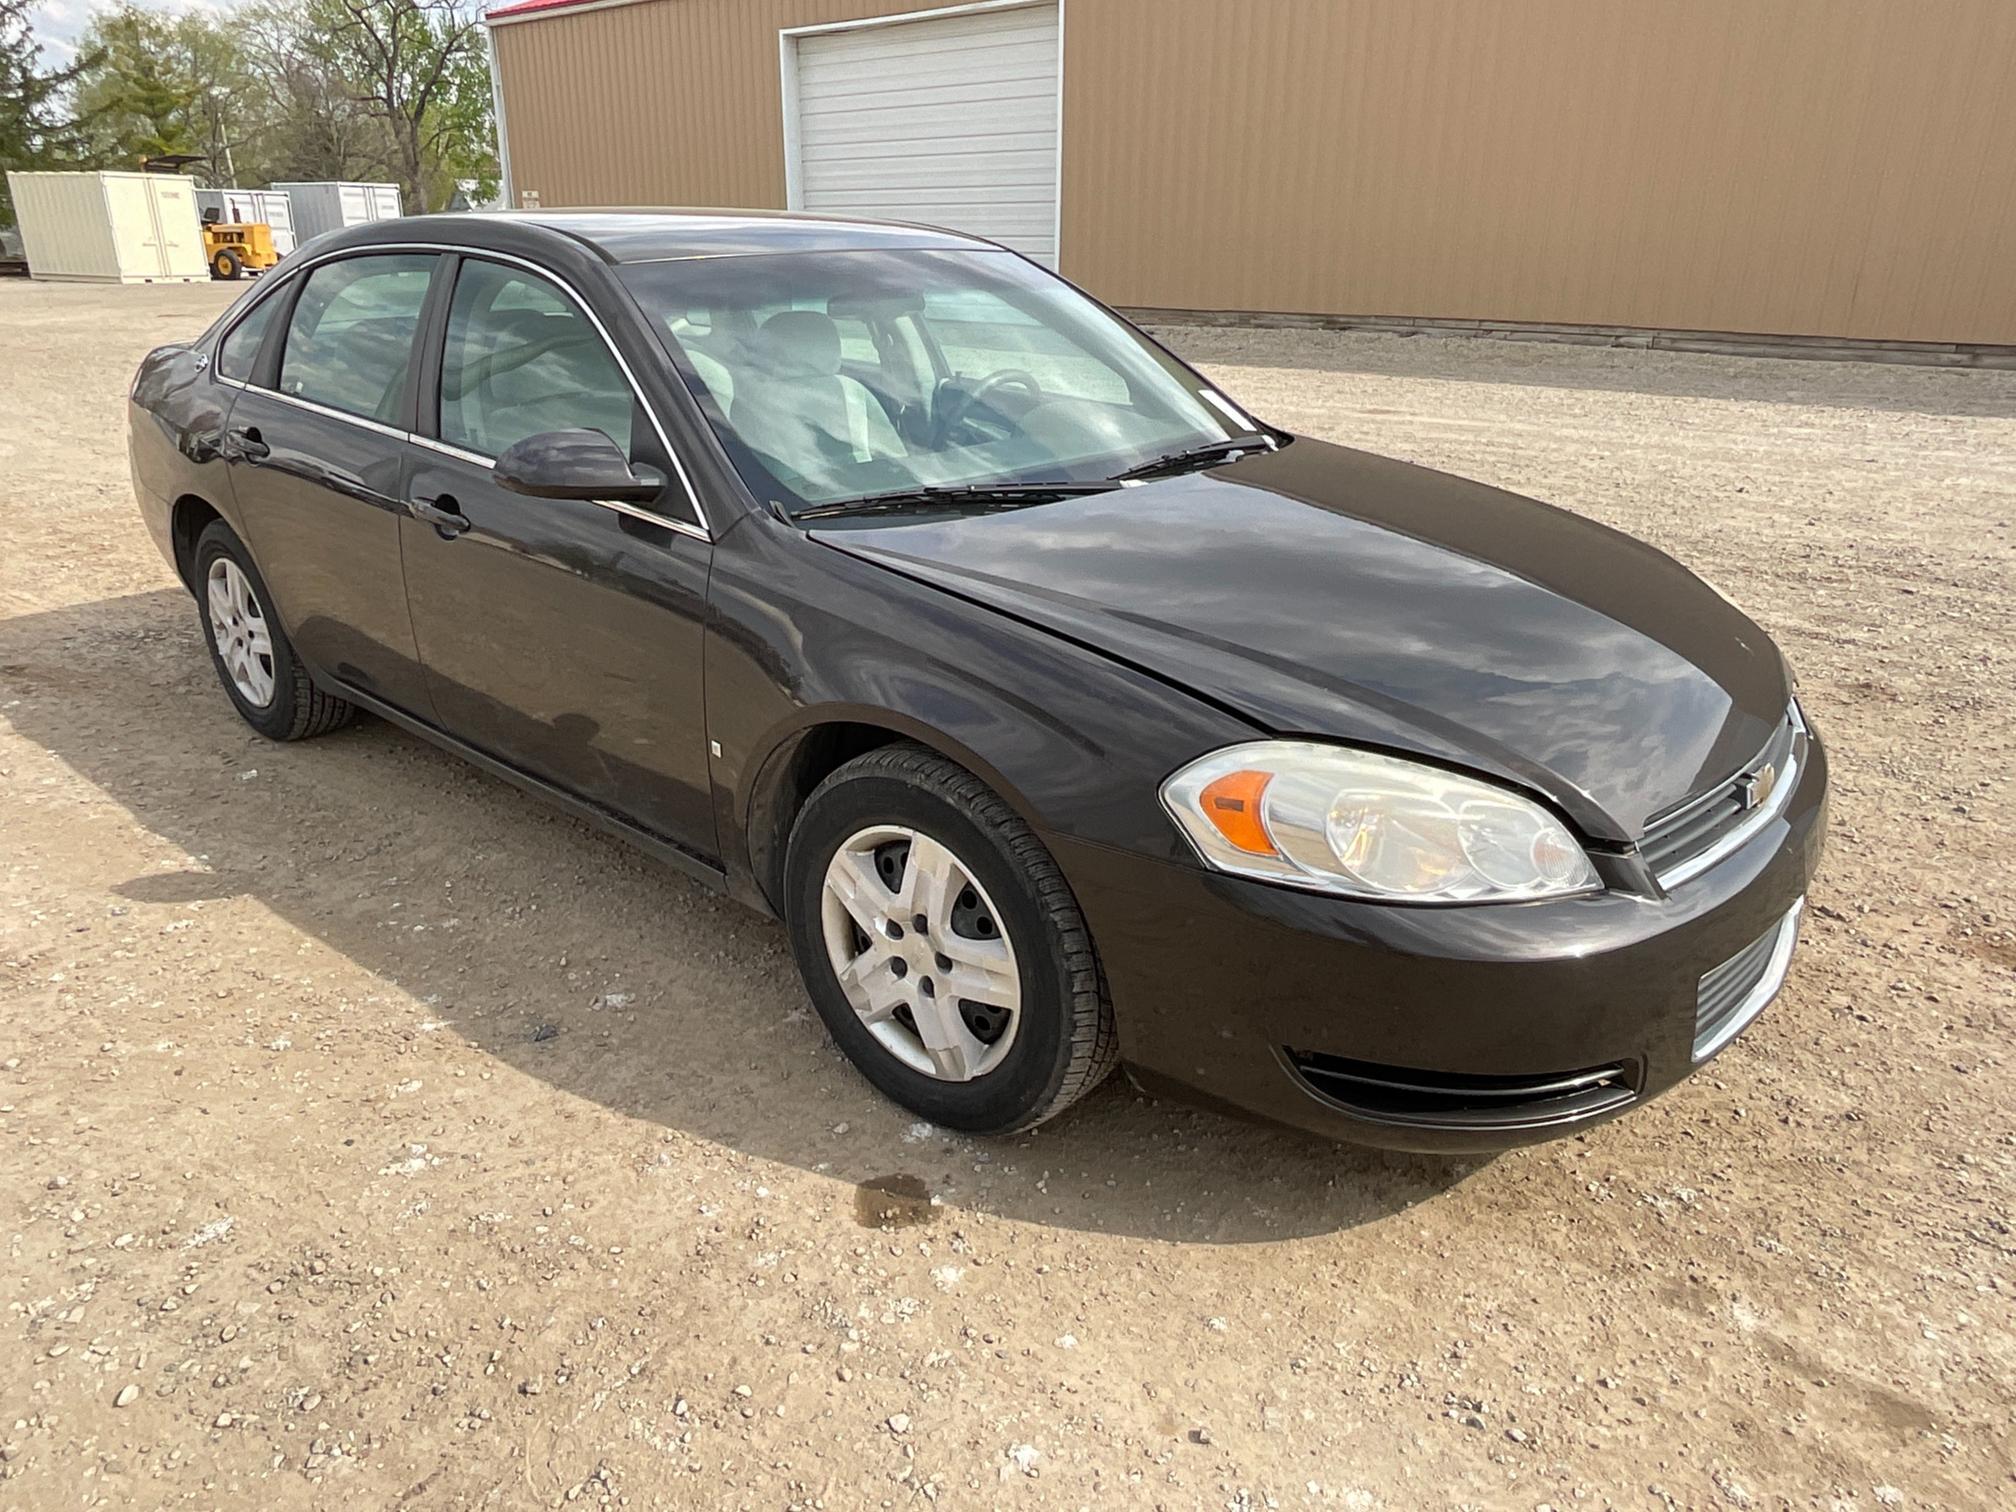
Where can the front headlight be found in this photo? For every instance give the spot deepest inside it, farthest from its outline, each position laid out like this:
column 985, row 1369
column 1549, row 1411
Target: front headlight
column 1366, row 826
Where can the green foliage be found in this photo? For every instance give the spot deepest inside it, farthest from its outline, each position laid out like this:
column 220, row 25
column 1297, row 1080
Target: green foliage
column 465, row 132
column 37, row 130
column 141, row 94
column 294, row 89
column 412, row 64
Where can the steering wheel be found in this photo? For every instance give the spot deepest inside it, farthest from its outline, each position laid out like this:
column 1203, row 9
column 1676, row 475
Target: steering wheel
column 964, row 399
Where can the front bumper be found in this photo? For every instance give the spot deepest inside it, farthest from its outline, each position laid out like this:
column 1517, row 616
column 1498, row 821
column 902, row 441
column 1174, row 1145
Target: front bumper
column 1445, row 1029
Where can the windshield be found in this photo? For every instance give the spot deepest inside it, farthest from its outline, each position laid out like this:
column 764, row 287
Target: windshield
column 839, row 375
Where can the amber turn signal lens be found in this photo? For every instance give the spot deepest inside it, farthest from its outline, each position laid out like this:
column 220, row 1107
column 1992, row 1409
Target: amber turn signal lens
column 1232, row 804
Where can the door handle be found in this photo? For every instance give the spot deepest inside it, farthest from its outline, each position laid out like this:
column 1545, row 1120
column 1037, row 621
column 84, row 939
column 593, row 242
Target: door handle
column 441, row 513
column 248, row 444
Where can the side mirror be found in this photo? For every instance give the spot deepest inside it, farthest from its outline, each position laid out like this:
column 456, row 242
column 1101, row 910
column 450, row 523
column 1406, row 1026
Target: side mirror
column 575, row 464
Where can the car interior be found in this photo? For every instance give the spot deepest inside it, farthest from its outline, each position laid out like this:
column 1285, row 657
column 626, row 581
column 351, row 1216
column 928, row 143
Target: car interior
column 830, row 393
column 519, row 361
column 350, row 339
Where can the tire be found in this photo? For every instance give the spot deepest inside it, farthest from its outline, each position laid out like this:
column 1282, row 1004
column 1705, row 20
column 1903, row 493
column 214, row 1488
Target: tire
column 871, row 817
column 227, row 264
column 294, row 708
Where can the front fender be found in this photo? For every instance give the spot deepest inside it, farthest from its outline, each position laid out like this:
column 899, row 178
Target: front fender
column 806, row 639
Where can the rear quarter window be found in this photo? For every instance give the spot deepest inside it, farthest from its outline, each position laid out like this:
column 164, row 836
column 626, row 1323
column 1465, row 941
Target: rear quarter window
column 240, row 350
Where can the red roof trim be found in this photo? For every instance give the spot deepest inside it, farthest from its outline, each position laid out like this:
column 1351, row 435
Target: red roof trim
column 527, row 7
column 531, row 7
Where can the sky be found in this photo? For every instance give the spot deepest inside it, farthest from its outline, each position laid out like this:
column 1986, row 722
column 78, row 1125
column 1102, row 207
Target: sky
column 59, row 23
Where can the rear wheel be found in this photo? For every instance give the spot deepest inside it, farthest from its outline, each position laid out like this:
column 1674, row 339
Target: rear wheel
column 227, row 263
column 943, row 947
column 254, row 659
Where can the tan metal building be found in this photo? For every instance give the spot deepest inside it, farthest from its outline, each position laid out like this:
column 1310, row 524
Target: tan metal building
column 1841, row 169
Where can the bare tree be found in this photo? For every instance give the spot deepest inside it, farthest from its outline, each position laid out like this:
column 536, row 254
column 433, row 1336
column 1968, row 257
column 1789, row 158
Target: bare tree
column 402, row 58
column 315, row 128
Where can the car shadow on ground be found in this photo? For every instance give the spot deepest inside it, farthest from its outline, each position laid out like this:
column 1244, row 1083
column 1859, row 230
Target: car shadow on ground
column 1903, row 387
column 570, row 957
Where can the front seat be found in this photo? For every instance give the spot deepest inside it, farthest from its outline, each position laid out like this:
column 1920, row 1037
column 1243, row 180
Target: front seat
column 804, row 412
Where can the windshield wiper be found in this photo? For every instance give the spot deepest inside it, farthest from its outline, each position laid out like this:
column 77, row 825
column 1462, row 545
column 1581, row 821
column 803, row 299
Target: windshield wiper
column 1191, row 457
column 902, row 500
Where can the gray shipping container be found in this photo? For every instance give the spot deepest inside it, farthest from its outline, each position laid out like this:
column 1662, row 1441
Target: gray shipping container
column 272, row 206
column 328, row 206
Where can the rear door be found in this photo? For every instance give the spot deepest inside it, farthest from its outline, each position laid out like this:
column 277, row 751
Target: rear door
column 562, row 636
column 316, row 447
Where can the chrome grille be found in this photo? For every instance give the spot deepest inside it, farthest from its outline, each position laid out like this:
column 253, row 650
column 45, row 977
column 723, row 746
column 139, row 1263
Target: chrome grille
column 1689, row 839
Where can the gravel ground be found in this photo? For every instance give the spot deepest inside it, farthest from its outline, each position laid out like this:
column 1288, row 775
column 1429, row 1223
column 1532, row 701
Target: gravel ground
column 367, row 1130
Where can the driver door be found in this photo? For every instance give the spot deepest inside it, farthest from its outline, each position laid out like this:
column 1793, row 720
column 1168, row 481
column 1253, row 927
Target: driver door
column 562, row 637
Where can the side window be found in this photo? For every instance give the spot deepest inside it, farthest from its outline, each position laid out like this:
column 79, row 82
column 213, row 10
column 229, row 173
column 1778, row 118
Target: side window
column 521, row 359
column 240, row 350
column 351, row 339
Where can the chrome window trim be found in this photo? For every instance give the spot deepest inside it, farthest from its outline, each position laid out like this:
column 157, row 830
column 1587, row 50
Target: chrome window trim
column 1743, row 833
column 449, row 449
column 619, row 507
column 1767, row 987
column 329, row 410
column 1237, row 416
column 703, row 531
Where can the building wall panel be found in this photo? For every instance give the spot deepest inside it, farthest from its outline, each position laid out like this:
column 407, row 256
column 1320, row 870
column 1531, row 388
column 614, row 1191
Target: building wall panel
column 672, row 102
column 1842, row 168
column 1839, row 168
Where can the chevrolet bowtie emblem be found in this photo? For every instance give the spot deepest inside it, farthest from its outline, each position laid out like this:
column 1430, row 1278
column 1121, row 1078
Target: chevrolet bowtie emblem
column 1758, row 785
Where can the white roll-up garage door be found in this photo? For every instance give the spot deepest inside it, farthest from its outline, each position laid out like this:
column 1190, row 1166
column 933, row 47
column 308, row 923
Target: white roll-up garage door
column 950, row 120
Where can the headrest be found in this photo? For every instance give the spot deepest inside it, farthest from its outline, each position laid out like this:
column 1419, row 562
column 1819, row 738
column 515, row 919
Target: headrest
column 801, row 344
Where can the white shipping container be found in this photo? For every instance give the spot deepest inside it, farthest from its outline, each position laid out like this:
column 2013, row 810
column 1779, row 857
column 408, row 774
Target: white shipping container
column 109, row 227
column 328, row 206
column 250, row 206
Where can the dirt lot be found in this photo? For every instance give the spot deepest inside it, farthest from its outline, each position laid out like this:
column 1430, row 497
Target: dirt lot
column 369, row 1132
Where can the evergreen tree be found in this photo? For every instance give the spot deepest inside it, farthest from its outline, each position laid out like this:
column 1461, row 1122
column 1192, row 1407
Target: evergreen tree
column 37, row 130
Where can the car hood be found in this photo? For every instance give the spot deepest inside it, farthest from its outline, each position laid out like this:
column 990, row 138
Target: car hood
column 1323, row 592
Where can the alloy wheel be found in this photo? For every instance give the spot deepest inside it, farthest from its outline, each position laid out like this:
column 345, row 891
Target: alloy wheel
column 238, row 628
column 921, row 952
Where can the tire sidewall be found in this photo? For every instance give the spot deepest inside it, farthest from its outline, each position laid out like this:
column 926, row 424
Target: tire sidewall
column 1029, row 1075
column 276, row 719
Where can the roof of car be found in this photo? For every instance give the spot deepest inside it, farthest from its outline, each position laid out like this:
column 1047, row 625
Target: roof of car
column 655, row 235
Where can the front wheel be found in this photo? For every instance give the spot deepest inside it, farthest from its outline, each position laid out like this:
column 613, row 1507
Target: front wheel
column 227, row 264
column 942, row 946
